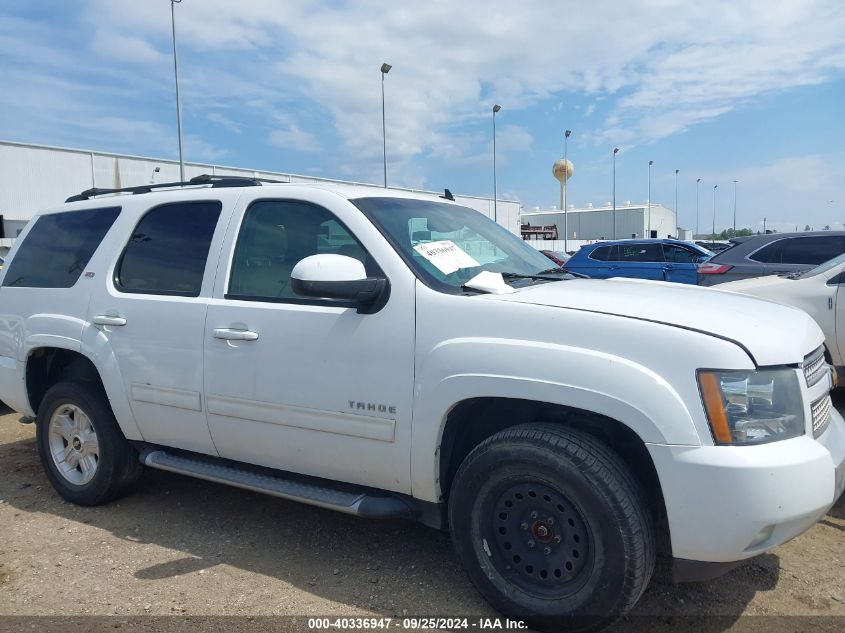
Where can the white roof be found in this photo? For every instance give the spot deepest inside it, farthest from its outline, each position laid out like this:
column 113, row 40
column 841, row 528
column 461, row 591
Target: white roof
column 619, row 207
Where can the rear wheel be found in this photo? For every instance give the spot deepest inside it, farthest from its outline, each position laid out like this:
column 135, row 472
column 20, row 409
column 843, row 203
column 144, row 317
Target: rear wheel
column 82, row 449
column 552, row 527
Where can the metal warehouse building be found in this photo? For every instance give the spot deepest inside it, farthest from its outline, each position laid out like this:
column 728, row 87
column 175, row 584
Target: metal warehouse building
column 37, row 177
column 596, row 223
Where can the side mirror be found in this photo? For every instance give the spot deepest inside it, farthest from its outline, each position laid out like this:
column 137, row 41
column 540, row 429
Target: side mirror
column 339, row 278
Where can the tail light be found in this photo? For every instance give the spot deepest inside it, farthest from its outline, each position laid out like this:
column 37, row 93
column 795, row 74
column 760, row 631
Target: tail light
column 713, row 269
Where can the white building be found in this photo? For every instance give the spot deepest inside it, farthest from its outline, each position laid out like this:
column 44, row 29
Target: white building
column 591, row 223
column 36, row 177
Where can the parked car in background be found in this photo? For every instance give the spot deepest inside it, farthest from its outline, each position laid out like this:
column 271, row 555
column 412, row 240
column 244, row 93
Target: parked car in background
column 558, row 257
column 716, row 247
column 816, row 291
column 666, row 260
column 772, row 254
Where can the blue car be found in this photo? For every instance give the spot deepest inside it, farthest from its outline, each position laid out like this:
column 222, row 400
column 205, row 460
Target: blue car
column 665, row 260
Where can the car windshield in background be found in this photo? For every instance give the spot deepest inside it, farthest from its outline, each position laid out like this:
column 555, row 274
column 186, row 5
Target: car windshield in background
column 447, row 245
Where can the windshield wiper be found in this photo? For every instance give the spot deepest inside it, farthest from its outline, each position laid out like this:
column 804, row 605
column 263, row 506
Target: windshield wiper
column 562, row 270
column 537, row 276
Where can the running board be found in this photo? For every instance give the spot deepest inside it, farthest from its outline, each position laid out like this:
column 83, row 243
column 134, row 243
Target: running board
column 344, row 498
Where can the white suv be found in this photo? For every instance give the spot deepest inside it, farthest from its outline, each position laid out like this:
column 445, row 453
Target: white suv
column 390, row 354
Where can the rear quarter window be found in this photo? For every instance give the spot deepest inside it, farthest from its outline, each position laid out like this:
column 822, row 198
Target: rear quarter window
column 601, row 254
column 769, row 254
column 58, row 248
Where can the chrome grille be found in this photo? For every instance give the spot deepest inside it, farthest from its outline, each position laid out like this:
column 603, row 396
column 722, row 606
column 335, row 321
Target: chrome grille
column 814, row 366
column 821, row 414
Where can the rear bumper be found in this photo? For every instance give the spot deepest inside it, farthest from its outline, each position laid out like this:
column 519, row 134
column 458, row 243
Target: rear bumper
column 728, row 504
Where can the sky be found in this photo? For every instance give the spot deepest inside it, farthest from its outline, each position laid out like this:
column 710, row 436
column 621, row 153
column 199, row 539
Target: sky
column 746, row 90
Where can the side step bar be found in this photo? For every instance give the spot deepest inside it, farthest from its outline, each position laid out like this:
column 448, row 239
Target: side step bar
column 344, row 498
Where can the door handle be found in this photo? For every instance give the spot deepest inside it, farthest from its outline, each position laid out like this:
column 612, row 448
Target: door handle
column 105, row 319
column 229, row 334
column 669, row 267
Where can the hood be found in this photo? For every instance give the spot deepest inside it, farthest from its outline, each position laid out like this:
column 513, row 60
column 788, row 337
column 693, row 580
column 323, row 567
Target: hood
column 771, row 333
column 758, row 286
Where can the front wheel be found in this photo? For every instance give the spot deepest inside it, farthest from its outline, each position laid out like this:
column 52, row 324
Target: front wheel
column 552, row 528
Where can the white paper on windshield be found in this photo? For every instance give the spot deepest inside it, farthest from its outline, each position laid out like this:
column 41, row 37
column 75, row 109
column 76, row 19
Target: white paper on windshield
column 446, row 256
column 493, row 283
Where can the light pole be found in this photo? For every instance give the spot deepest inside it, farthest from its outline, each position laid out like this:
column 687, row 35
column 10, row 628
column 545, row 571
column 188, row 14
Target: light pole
column 565, row 183
column 385, row 68
column 176, row 76
column 496, row 108
column 615, row 152
column 697, row 200
column 648, row 221
column 714, row 210
column 676, row 197
column 735, row 181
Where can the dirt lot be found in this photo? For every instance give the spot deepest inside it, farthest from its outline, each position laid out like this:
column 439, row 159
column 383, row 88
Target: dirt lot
column 178, row 546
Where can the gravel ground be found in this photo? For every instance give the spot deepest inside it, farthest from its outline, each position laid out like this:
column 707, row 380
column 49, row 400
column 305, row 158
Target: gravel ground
column 178, row 546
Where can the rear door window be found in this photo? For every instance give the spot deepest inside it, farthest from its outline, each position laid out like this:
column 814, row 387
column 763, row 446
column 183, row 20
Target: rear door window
column 167, row 252
column 812, row 250
column 601, row 254
column 640, row 253
column 58, row 248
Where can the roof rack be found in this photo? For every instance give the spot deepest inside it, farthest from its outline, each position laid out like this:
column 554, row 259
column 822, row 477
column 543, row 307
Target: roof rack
column 203, row 180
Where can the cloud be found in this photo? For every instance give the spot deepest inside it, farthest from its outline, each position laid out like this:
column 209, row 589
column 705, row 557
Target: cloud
column 513, row 138
column 798, row 190
column 128, row 48
column 295, row 139
column 224, row 122
column 661, row 66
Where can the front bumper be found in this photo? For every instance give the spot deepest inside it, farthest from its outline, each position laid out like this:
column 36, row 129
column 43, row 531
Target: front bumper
column 725, row 504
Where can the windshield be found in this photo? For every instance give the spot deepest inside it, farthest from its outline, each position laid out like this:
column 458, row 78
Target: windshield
column 821, row 268
column 447, row 245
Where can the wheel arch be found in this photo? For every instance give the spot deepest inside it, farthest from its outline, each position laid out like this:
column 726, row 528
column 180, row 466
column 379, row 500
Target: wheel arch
column 473, row 420
column 48, row 365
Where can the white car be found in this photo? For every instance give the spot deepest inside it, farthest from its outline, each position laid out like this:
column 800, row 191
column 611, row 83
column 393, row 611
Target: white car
column 816, row 291
column 390, row 354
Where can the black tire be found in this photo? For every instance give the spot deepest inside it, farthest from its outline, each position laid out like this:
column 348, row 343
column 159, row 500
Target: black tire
column 560, row 489
column 117, row 464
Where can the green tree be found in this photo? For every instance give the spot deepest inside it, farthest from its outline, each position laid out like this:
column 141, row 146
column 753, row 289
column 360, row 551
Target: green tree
column 729, row 233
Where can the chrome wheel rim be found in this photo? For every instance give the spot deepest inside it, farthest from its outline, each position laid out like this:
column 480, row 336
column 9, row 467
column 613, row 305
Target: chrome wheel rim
column 74, row 446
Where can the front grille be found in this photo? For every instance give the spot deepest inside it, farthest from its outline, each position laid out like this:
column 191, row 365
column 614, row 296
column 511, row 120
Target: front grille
column 821, row 414
column 814, row 366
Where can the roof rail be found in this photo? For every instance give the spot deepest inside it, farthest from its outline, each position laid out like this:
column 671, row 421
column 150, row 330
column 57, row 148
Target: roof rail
column 205, row 180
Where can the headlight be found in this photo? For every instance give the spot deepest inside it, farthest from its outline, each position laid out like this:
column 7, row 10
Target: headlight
column 752, row 407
